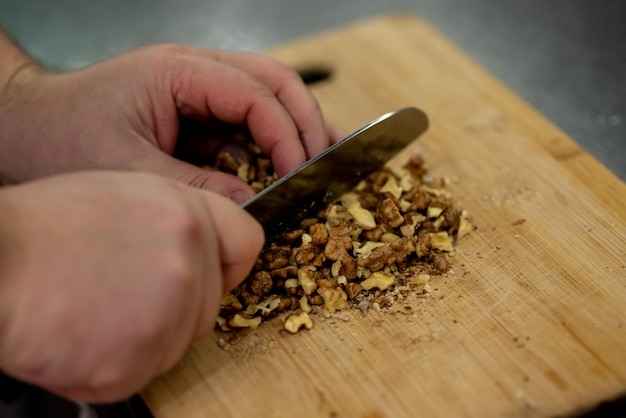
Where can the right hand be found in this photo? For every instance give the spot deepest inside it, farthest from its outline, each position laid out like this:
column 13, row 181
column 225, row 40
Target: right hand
column 105, row 278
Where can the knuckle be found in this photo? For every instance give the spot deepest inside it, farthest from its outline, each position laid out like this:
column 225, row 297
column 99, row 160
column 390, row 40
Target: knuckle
column 177, row 275
column 170, row 49
column 186, row 225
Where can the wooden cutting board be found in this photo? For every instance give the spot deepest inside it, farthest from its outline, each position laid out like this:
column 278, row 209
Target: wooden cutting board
column 533, row 320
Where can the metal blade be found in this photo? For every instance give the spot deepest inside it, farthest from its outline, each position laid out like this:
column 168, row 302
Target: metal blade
column 321, row 180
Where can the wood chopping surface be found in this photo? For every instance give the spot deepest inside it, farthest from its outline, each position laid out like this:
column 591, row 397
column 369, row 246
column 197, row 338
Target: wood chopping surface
column 532, row 321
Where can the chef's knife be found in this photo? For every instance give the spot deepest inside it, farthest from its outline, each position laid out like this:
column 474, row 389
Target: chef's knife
column 321, row 180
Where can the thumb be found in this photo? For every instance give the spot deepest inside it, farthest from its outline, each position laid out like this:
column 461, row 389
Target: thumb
column 219, row 182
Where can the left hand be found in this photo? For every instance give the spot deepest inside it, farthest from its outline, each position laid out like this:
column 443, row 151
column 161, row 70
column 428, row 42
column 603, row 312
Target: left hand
column 125, row 113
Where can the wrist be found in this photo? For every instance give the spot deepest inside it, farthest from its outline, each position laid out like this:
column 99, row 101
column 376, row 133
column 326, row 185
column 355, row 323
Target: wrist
column 13, row 60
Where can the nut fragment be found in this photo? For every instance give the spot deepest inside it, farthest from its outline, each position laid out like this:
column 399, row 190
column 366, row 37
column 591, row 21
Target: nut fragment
column 441, row 241
column 465, row 226
column 433, row 212
column 307, row 279
column 363, row 218
column 353, row 289
column 304, row 304
column 240, row 321
column 366, row 249
column 334, row 298
column 389, row 213
column 294, row 322
column 378, row 280
column 392, row 187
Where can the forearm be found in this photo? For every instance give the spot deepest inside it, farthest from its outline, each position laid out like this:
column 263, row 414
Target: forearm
column 13, row 62
column 8, row 246
column 13, row 59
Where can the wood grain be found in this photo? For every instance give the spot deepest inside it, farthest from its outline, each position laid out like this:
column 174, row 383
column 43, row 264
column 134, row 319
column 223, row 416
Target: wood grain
column 533, row 320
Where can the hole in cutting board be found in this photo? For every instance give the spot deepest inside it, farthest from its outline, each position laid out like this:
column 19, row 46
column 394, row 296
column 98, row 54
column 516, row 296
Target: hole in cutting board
column 314, row 74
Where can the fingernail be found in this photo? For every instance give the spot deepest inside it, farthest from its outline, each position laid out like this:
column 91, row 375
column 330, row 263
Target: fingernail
column 238, row 196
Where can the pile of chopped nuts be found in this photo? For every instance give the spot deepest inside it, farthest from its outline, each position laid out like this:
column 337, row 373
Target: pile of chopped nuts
column 371, row 248
column 251, row 165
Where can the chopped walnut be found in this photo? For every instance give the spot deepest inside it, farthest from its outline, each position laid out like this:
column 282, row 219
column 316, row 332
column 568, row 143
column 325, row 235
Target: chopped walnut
column 433, row 212
column 294, row 322
column 260, row 283
column 364, row 250
column 440, row 261
column 373, row 235
column 422, row 201
column 420, row 282
column 465, row 226
column 334, row 298
column 389, row 237
column 392, row 187
column 451, row 220
column 411, row 221
column 353, row 289
column 441, row 241
column 388, row 213
column 292, row 237
column 240, row 321
column 319, row 234
column 265, row 307
column 284, row 273
column 227, row 162
column 377, row 259
column 230, row 304
column 276, row 257
column 303, row 302
column 363, row 218
column 378, row 280
column 307, row 279
column 348, row 266
column 371, row 248
column 306, row 253
column 243, row 172
column 422, row 245
column 337, row 246
column 337, row 214
column 291, row 286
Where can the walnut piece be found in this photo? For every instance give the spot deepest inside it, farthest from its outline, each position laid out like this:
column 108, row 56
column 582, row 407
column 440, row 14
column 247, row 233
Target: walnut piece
column 307, row 279
column 240, row 321
column 334, row 298
column 294, row 322
column 378, row 280
column 392, row 187
column 441, row 241
column 388, row 213
column 465, row 226
column 363, row 218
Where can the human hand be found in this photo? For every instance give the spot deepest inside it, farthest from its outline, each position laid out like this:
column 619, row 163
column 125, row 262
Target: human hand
column 125, row 113
column 106, row 277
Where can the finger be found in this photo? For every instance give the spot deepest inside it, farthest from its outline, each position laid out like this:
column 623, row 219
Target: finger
column 291, row 91
column 239, row 239
column 240, row 236
column 204, row 88
column 225, row 184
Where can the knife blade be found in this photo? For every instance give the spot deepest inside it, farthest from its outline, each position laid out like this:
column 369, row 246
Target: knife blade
column 324, row 178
